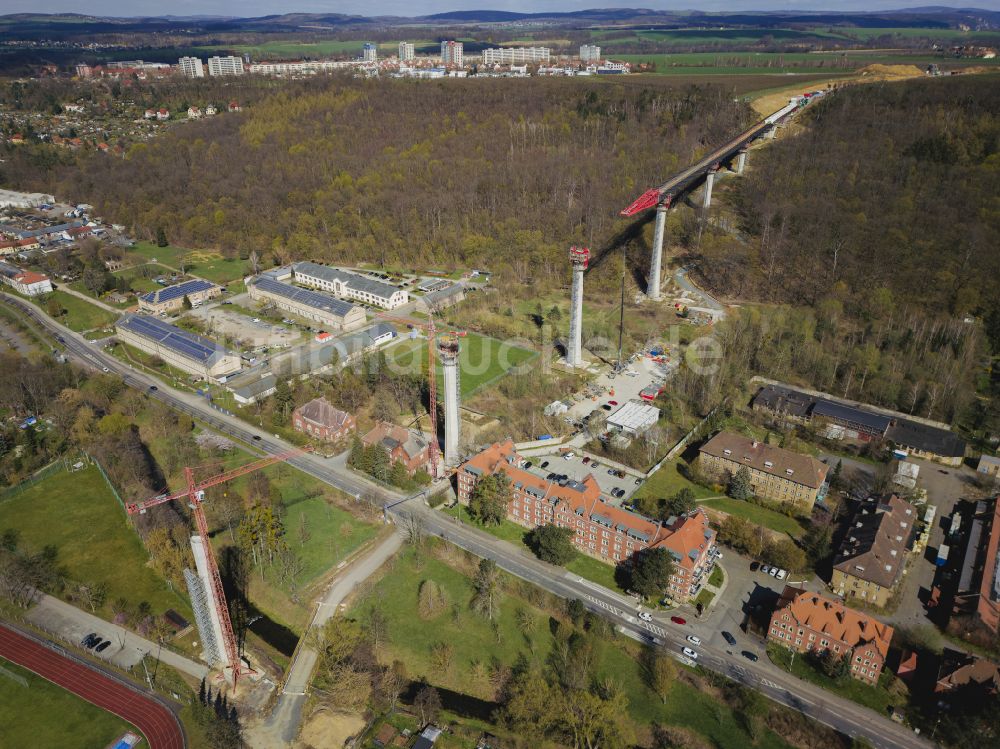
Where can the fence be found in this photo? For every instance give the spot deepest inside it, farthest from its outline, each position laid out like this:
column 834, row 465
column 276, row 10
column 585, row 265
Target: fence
column 13, row 677
column 42, row 473
column 111, row 486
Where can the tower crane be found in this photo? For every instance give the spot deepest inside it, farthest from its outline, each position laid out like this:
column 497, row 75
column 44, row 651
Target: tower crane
column 195, row 494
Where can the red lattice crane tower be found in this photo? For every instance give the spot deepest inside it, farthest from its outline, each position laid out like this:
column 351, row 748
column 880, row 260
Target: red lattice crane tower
column 195, row 493
column 433, row 453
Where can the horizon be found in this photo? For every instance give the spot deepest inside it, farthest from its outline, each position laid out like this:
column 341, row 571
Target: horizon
column 399, row 8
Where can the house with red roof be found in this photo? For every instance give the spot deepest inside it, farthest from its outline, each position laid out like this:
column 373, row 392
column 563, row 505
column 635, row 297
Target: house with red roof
column 601, row 529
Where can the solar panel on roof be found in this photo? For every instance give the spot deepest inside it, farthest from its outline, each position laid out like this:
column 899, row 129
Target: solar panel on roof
column 305, row 296
column 188, row 344
column 177, row 290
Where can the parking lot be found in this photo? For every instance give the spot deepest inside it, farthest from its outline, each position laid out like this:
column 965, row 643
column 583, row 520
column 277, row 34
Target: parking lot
column 576, row 470
column 641, row 373
column 221, row 321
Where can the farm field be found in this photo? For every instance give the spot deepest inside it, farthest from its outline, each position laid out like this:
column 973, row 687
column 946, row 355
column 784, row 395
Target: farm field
column 78, row 315
column 206, row 264
column 77, row 513
column 311, row 50
column 482, row 360
column 743, row 63
column 473, row 640
column 688, row 37
column 42, row 714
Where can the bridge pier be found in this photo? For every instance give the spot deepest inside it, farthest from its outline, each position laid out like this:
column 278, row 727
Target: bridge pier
column 741, row 161
column 709, row 181
column 771, row 132
column 653, row 283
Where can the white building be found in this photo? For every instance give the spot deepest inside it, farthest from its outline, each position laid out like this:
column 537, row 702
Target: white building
column 14, row 199
column 590, row 53
column 369, row 53
column 515, row 55
column 453, row 53
column 299, row 67
column 177, row 347
column 634, row 418
column 192, row 67
column 406, row 52
column 25, row 282
column 230, row 65
column 331, row 313
column 348, row 285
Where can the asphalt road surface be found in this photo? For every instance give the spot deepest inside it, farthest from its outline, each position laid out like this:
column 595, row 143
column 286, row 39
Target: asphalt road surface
column 829, row 709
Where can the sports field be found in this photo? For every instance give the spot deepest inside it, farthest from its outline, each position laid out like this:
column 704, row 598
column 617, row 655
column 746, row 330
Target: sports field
column 482, row 360
column 42, row 714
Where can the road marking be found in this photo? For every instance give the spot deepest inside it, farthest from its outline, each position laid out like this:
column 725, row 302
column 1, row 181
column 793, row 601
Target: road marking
column 770, row 684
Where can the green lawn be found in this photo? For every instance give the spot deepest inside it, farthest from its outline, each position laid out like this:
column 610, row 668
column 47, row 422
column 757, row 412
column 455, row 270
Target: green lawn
column 756, row 514
column 473, row 640
column 667, row 481
column 78, row 315
column 879, row 698
column 45, row 715
column 207, row 264
column 482, row 360
column 78, row 514
column 717, row 578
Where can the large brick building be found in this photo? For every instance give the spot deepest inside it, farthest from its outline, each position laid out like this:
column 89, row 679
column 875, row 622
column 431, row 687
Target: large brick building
column 319, row 418
column 405, row 446
column 601, row 529
column 870, row 561
column 775, row 473
column 808, row 622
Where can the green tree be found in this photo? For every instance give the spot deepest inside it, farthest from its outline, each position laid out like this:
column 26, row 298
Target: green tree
column 662, row 674
column 398, row 475
column 488, row 584
column 284, row 400
column 650, row 572
column 161, row 237
column 784, row 553
column 490, row 496
column 53, row 308
column 682, row 502
column 186, row 302
column 739, row 484
column 552, row 544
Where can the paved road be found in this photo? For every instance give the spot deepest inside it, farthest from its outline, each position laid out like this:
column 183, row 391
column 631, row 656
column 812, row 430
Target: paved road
column 841, row 714
column 62, row 620
column 681, row 277
column 158, row 724
column 282, row 726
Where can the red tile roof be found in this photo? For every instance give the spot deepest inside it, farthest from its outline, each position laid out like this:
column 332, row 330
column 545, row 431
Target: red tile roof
column 833, row 618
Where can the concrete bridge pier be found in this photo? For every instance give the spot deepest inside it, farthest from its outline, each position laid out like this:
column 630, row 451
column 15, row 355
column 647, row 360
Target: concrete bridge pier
column 771, row 132
column 653, row 283
column 741, row 161
column 709, row 181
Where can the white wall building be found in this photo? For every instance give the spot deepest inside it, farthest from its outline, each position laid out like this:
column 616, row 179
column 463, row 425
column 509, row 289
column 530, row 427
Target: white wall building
column 516, row 55
column 590, row 53
column 14, row 199
column 406, row 52
column 634, row 418
column 192, row 67
column 299, row 67
column 453, row 53
column 369, row 53
column 230, row 65
column 348, row 285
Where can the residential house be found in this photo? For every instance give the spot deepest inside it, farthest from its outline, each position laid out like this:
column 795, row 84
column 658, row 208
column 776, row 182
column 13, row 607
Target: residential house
column 775, row 473
column 809, row 622
column 406, row 446
column 959, row 671
column 870, row 561
column 25, row 282
column 319, row 418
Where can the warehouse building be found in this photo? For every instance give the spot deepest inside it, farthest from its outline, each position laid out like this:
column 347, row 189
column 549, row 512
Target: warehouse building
column 171, row 298
column 335, row 314
column 179, row 348
column 349, row 285
column 444, row 296
column 633, row 418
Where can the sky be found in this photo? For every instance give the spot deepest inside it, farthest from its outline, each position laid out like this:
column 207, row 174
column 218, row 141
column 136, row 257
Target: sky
column 249, row 8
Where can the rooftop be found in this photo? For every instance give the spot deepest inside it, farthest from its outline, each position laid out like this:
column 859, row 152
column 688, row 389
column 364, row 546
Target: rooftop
column 777, row 461
column 321, row 411
column 159, row 296
column 874, row 548
column 313, row 299
column 185, row 343
column 834, row 619
column 353, row 280
column 913, row 434
column 634, row 416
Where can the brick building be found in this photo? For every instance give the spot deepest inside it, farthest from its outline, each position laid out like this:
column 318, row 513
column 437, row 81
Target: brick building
column 775, row 473
column 319, row 418
column 410, row 448
column 602, row 530
column 808, row 622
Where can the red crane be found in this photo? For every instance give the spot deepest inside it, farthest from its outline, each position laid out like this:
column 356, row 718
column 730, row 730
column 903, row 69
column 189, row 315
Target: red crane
column 431, row 331
column 195, row 493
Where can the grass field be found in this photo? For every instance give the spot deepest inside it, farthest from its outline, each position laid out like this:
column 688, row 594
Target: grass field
column 473, row 641
column 481, row 361
column 312, row 50
column 78, row 514
column 667, row 481
column 206, row 264
column 756, row 514
column 78, row 315
column 45, row 715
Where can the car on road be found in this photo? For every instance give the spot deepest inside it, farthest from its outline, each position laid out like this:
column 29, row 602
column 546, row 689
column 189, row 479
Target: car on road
column 694, row 639
column 678, row 620
column 257, row 437
column 105, row 369
column 690, row 653
column 153, row 388
column 103, row 646
column 750, row 656
column 645, row 616
column 728, row 638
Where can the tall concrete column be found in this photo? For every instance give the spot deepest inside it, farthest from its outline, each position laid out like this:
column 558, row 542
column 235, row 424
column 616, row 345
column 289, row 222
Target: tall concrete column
column 709, row 181
column 741, row 161
column 206, row 611
column 448, row 350
column 578, row 258
column 653, row 284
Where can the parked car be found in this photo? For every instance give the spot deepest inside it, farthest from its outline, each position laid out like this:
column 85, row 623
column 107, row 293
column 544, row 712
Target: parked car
column 754, row 566
column 617, row 493
column 678, row 620
column 528, row 464
column 638, row 482
column 103, row 646
column 728, row 638
column 620, row 474
column 765, row 569
column 612, row 403
column 694, row 639
column 773, row 572
column 750, row 656
column 690, row 653
column 781, row 575
column 645, row 616
column 594, row 464
column 611, row 472
column 586, row 459
column 569, row 456
column 545, row 464
column 606, row 407
column 90, row 640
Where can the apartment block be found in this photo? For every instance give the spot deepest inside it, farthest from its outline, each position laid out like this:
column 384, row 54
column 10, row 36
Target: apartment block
column 230, row 65
column 516, row 55
column 192, row 67
column 407, row 53
column 453, row 53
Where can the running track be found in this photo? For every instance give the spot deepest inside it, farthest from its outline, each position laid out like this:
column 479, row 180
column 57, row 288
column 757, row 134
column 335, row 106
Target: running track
column 160, row 726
